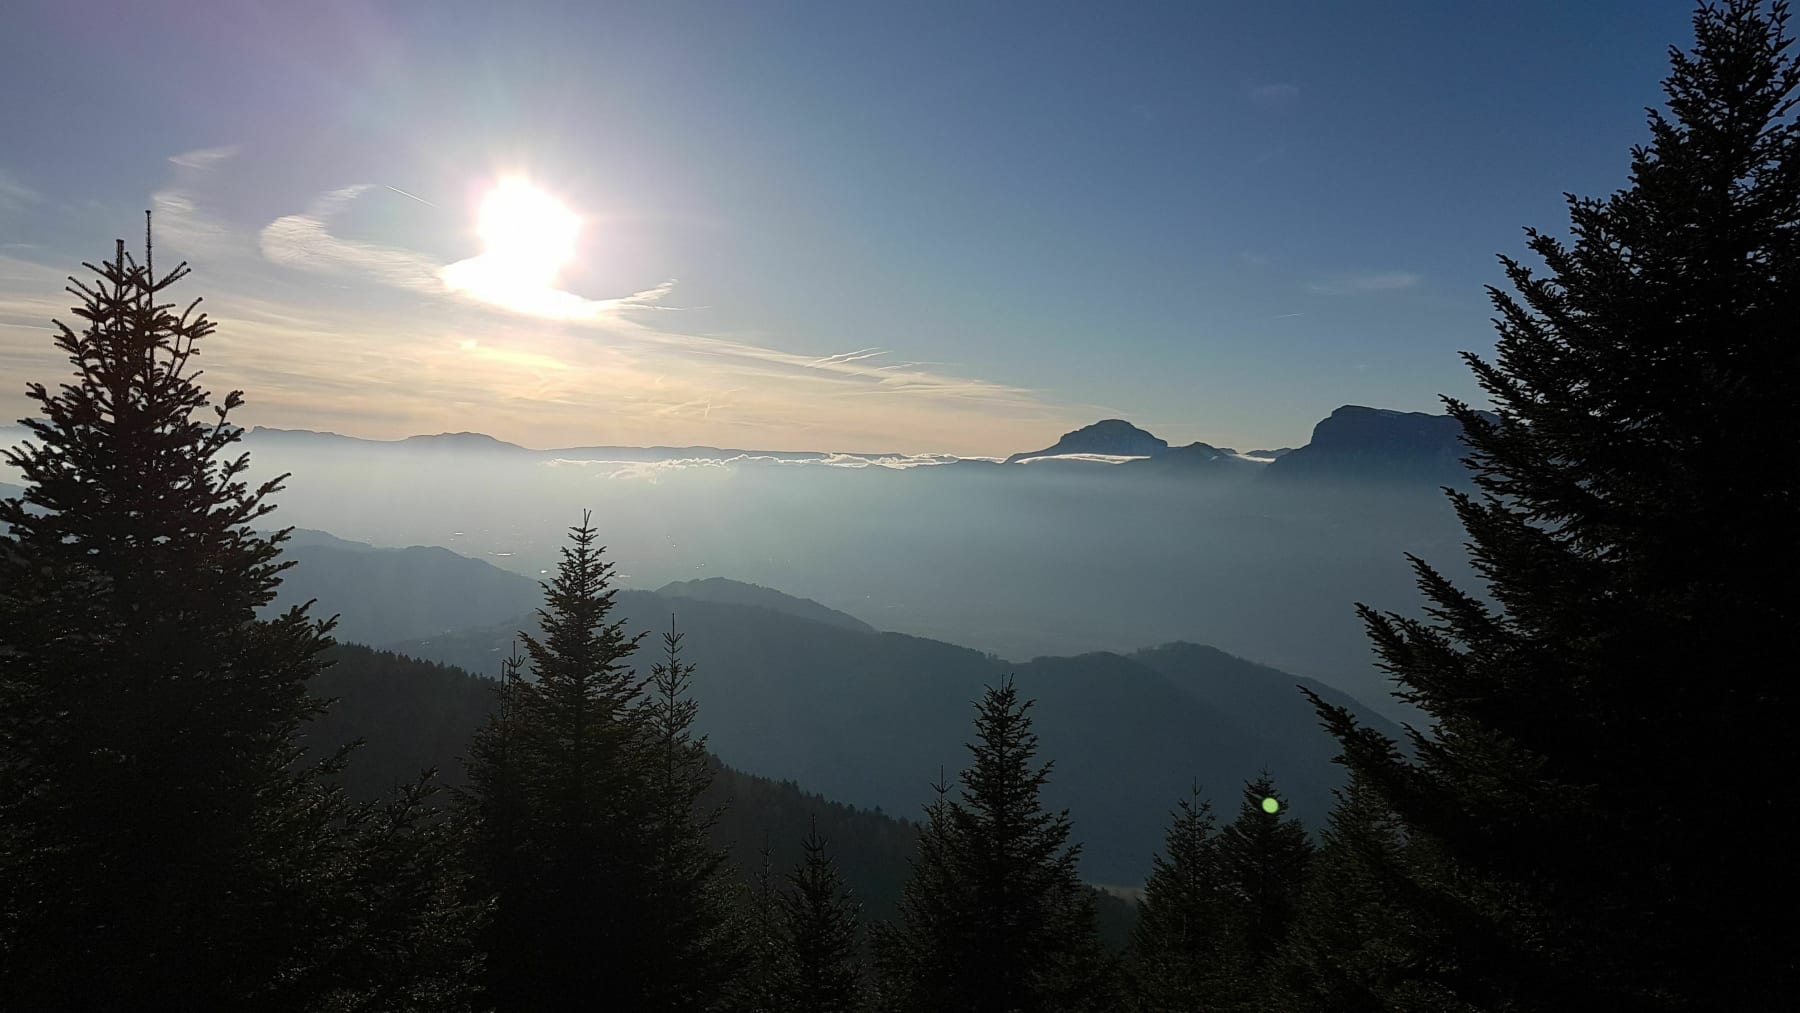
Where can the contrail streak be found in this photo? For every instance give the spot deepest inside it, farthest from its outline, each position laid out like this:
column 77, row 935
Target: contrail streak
column 414, row 196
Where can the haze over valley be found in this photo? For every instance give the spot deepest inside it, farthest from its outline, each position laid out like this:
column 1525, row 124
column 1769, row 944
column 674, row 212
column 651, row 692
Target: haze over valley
column 1101, row 547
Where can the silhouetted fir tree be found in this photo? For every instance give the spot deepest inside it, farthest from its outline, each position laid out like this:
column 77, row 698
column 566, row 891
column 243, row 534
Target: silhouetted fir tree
column 1262, row 859
column 1597, row 811
column 919, row 961
column 1178, row 943
column 690, row 951
column 763, row 986
column 162, row 842
column 819, row 925
column 493, row 814
column 570, row 878
column 144, row 712
column 1350, row 928
column 995, row 918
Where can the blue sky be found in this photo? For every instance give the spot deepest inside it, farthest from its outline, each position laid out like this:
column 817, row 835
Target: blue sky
column 906, row 227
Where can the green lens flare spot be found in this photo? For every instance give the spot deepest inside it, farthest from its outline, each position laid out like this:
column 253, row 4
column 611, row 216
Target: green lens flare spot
column 1270, row 805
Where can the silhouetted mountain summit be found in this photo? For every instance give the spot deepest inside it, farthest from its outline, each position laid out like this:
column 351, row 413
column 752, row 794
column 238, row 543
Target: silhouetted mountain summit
column 737, row 592
column 460, row 442
column 1114, row 437
column 1365, row 444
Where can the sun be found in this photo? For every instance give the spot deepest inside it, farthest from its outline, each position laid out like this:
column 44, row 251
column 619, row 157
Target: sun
column 528, row 235
column 527, row 238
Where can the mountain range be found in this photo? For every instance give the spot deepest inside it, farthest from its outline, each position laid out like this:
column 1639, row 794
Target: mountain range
column 1263, row 555
column 793, row 690
column 1099, row 587
column 1353, row 441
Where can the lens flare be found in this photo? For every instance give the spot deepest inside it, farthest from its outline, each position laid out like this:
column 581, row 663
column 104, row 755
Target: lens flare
column 528, row 234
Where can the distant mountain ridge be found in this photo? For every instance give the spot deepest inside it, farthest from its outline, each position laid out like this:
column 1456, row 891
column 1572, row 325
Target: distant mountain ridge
column 384, row 595
column 869, row 718
column 463, row 441
column 734, row 592
column 1354, row 442
column 381, row 595
column 482, row 441
column 795, row 691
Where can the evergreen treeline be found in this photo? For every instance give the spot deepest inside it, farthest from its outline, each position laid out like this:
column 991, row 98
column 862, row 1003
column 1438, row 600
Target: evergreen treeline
column 1592, row 819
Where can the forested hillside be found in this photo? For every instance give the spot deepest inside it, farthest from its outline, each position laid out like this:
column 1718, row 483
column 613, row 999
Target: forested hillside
column 870, row 717
column 796, row 692
column 412, row 715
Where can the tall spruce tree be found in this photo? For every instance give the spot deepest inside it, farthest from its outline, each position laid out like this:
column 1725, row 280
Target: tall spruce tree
column 763, row 986
column 1261, row 859
column 564, row 762
column 690, row 951
column 493, row 817
column 819, row 927
column 1597, row 809
column 1179, row 940
column 163, row 842
column 146, row 715
column 994, row 918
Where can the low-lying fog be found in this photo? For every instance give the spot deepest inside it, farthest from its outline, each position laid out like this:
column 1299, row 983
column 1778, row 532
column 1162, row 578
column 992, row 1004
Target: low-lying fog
column 1019, row 560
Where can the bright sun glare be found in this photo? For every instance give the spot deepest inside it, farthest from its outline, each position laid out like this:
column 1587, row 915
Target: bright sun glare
column 529, row 235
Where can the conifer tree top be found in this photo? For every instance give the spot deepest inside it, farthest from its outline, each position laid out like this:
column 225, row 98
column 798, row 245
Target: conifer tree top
column 127, row 468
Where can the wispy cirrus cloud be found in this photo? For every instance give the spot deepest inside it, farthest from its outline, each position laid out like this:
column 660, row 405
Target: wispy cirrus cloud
column 181, row 221
column 15, row 195
column 204, row 159
column 1365, row 283
column 305, row 242
column 31, row 295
